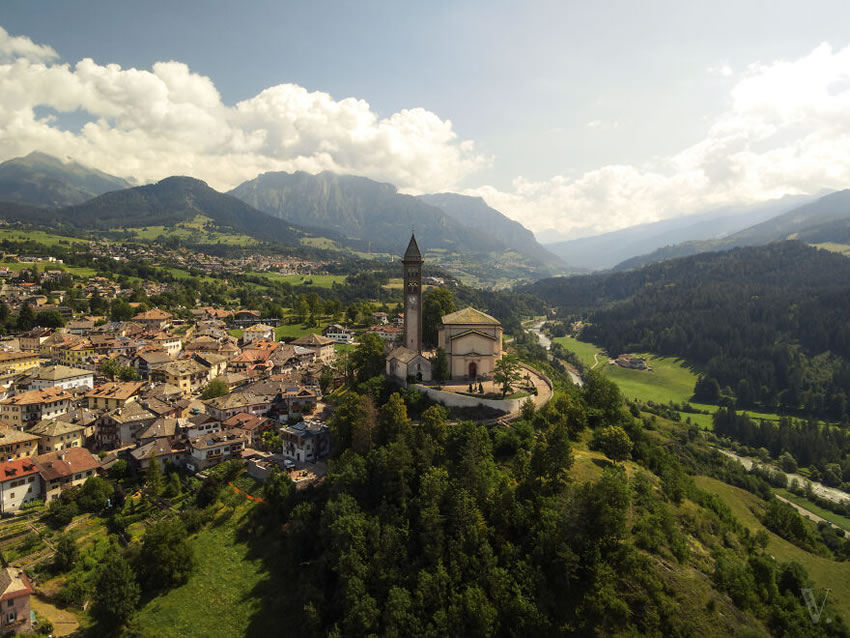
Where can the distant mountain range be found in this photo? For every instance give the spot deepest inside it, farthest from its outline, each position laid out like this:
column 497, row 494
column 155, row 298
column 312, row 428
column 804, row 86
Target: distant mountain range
column 355, row 213
column 43, row 180
column 360, row 214
column 825, row 220
column 369, row 211
column 475, row 213
column 607, row 250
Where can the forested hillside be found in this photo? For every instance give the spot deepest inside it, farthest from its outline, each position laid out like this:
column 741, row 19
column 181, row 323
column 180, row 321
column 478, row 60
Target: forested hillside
column 430, row 529
column 768, row 325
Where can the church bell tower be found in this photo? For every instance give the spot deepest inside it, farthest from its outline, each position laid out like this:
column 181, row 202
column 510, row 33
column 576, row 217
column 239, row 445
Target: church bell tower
column 412, row 261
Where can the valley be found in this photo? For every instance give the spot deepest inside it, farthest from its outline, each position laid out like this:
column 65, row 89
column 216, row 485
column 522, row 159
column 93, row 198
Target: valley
column 648, row 461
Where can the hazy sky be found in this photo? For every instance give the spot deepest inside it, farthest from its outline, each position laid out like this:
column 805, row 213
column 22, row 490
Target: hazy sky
column 572, row 117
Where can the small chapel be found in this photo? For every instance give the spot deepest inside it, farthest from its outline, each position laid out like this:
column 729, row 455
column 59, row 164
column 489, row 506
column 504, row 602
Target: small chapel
column 471, row 339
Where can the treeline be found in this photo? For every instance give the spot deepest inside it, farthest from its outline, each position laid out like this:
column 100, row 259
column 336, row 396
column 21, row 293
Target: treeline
column 767, row 324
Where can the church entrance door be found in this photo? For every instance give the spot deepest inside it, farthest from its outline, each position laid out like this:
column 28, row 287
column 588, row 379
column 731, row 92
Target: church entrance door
column 473, row 370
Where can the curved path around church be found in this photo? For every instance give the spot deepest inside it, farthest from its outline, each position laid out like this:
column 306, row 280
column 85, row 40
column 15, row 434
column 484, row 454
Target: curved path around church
column 542, row 386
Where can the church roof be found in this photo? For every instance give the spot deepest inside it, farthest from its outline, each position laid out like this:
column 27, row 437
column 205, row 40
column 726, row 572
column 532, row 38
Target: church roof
column 470, row 317
column 404, row 355
column 412, row 251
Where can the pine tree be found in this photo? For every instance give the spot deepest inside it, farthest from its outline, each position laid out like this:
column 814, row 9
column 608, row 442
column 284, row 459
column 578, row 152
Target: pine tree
column 153, row 478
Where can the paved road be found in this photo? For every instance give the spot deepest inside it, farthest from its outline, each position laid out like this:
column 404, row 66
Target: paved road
column 807, row 513
column 830, row 493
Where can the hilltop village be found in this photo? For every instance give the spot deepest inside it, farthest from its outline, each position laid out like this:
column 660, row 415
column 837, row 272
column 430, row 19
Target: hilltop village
column 82, row 394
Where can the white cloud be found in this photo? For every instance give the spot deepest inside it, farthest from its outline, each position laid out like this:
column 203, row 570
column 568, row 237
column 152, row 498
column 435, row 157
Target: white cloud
column 786, row 131
column 12, row 47
column 166, row 121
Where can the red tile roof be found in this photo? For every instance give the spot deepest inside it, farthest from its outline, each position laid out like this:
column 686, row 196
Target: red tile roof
column 16, row 469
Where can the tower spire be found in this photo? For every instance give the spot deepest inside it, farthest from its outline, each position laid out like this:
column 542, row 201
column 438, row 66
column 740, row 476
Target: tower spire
column 412, row 252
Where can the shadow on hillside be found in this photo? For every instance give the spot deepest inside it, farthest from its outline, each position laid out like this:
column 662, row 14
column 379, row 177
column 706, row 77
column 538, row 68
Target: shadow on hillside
column 279, row 613
column 603, row 463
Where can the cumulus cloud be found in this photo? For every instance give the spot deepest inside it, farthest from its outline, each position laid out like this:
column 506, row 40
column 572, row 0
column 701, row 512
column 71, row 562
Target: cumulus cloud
column 786, row 131
column 12, row 47
column 169, row 120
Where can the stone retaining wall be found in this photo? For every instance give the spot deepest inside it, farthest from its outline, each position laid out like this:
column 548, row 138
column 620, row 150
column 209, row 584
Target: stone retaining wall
column 453, row 400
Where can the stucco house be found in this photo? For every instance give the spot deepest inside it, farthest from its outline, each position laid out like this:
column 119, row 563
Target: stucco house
column 15, row 590
column 19, row 484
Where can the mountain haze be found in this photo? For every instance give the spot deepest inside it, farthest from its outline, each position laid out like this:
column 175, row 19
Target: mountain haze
column 609, row 249
column 827, row 219
column 42, row 180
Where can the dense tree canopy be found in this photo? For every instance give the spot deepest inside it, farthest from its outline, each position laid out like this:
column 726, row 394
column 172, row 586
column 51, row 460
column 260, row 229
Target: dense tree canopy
column 767, row 324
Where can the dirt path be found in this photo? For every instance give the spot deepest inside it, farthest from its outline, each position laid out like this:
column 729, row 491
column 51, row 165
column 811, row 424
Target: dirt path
column 595, row 360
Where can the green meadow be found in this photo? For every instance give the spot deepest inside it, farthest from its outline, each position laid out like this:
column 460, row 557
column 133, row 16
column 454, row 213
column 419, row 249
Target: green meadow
column 48, row 239
column 319, row 281
column 219, row 599
column 669, row 380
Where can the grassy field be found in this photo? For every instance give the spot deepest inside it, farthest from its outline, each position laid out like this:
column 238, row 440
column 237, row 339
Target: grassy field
column 221, row 597
column 584, row 351
column 395, row 283
column 296, row 330
column 79, row 271
column 822, row 571
column 670, row 380
column 320, row 242
column 48, row 239
column 192, row 231
column 319, row 281
column 842, row 249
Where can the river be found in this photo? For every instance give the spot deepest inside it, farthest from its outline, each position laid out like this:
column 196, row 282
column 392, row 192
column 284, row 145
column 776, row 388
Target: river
column 546, row 342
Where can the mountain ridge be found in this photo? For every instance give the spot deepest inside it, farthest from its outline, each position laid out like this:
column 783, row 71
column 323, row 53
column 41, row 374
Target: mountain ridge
column 43, row 180
column 475, row 213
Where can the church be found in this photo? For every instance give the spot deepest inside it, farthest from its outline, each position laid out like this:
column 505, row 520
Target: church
column 471, row 339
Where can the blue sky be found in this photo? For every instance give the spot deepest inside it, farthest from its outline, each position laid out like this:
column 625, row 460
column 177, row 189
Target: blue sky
column 571, row 117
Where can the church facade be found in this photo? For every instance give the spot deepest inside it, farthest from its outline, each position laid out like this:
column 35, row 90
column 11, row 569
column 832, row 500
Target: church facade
column 472, row 341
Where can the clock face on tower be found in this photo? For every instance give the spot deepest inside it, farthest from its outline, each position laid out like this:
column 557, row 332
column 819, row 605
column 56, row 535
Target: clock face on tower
column 411, row 299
